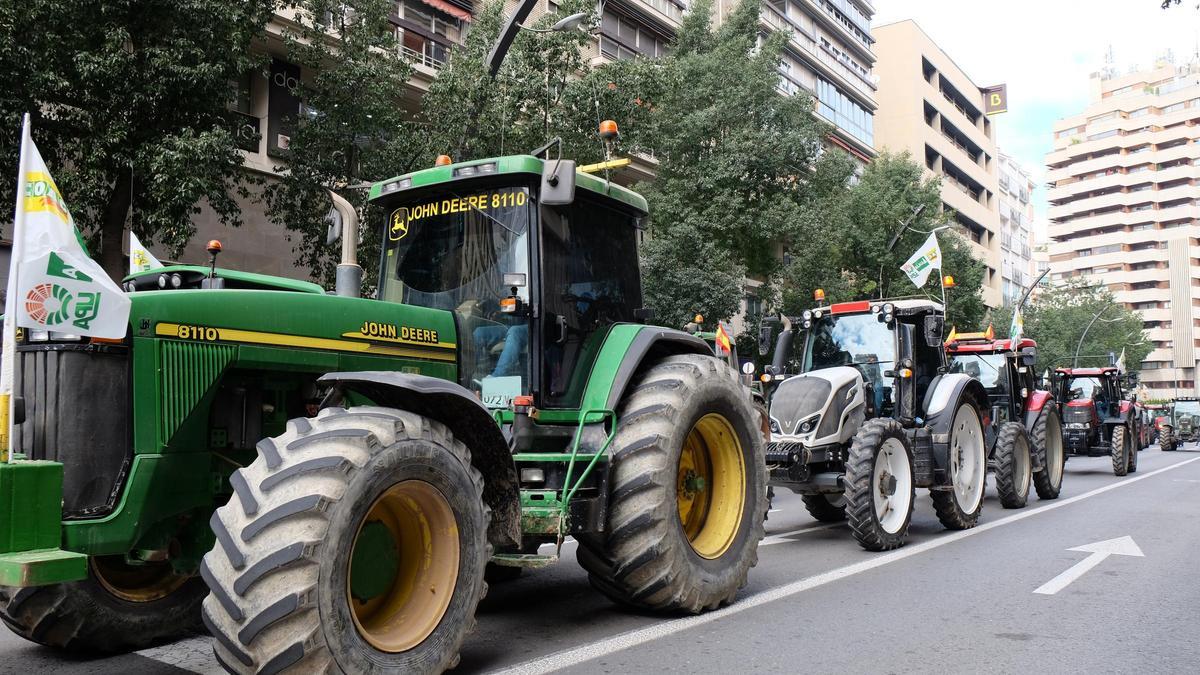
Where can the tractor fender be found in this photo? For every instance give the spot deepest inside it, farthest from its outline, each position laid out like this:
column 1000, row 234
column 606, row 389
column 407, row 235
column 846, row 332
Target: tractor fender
column 650, row 344
column 470, row 422
column 1035, row 405
column 942, row 399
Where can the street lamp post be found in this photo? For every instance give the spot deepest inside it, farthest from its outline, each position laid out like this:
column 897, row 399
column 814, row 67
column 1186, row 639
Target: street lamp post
column 1075, row 362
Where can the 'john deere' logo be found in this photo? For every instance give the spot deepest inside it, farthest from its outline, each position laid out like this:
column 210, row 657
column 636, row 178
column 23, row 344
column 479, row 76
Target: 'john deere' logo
column 398, row 224
column 48, row 304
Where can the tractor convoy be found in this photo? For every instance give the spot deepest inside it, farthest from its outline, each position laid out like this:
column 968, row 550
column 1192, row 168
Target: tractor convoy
column 322, row 481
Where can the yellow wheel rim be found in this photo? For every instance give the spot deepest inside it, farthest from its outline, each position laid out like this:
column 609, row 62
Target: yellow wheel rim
column 711, row 486
column 136, row 583
column 413, row 527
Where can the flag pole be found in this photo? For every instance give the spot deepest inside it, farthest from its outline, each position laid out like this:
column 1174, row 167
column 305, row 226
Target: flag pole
column 9, row 355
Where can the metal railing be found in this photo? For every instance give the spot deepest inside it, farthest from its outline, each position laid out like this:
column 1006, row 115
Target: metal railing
column 421, row 58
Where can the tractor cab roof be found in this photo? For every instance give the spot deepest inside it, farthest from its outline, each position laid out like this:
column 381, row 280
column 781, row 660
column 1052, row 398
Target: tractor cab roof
column 523, row 166
column 190, row 276
column 900, row 307
column 970, row 345
column 1088, row 372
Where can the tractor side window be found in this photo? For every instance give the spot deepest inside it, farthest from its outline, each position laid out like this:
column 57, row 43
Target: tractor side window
column 590, row 280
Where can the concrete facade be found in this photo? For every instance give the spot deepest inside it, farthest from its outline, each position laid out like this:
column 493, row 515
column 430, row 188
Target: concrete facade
column 1017, row 239
column 929, row 107
column 1124, row 201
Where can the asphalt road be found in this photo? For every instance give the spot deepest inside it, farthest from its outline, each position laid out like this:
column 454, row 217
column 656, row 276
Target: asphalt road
column 947, row 601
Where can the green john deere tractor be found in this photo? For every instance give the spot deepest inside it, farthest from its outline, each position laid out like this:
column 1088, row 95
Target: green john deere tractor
column 321, row 480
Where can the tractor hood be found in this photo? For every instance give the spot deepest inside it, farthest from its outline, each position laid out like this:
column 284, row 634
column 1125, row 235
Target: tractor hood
column 815, row 407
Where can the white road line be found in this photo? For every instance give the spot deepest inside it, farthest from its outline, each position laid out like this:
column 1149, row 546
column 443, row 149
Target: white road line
column 783, row 537
column 633, row 638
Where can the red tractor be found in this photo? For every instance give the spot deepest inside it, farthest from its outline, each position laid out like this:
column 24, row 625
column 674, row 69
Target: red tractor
column 1097, row 419
column 1023, row 428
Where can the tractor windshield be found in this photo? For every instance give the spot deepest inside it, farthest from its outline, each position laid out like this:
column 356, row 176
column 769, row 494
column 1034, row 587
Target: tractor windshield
column 858, row 340
column 467, row 252
column 1187, row 407
column 990, row 369
column 1084, row 387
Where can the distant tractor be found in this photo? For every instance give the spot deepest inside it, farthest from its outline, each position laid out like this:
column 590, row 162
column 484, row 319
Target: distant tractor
column 1023, row 430
column 870, row 415
column 1097, row 419
column 322, row 479
column 1182, row 425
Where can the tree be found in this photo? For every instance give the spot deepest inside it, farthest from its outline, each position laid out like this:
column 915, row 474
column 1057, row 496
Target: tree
column 847, row 252
column 738, row 165
column 1057, row 316
column 128, row 104
column 353, row 127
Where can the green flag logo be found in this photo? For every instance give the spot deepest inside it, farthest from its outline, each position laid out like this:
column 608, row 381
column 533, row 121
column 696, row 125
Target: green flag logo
column 59, row 268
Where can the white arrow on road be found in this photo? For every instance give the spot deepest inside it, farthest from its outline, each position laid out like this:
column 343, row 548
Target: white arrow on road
column 1099, row 551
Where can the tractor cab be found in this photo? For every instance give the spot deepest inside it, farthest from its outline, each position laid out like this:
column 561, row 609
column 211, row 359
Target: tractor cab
column 1097, row 418
column 1005, row 370
column 536, row 262
column 893, row 346
column 1089, row 394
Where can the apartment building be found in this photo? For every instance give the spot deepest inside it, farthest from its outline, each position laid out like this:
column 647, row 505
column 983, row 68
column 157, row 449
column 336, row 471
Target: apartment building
column 931, row 108
column 1124, row 197
column 1016, row 229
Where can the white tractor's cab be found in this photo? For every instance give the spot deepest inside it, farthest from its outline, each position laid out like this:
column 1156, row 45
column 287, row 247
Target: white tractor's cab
column 868, row 413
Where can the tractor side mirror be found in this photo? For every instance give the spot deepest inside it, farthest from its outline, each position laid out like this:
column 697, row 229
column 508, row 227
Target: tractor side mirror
column 643, row 314
column 558, row 182
column 933, row 330
column 1028, row 357
column 764, row 340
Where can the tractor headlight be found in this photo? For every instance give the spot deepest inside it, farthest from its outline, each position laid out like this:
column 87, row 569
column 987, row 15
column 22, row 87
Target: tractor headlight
column 64, row 337
column 395, row 185
column 889, row 308
column 163, row 281
column 808, row 426
column 39, row 335
column 816, row 313
column 774, row 426
column 176, row 281
column 807, row 315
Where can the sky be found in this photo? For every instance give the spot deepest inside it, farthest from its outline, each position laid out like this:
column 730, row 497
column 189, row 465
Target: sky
column 1045, row 51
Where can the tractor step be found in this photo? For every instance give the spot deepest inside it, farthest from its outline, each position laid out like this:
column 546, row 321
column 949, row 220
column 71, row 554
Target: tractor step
column 528, row 560
column 41, row 567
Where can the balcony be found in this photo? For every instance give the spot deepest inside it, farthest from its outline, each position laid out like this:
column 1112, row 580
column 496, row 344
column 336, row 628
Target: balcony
column 808, row 48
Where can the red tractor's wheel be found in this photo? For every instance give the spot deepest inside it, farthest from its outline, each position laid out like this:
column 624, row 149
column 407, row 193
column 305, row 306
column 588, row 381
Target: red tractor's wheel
column 1120, row 451
column 1047, row 440
column 1014, row 468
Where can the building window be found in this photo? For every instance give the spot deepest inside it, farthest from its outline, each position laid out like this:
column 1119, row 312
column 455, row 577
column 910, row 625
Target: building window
column 844, row 112
column 624, row 38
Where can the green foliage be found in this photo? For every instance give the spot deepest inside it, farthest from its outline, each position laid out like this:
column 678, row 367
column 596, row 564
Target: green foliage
column 740, row 167
column 128, row 103
column 847, row 252
column 1057, row 315
column 352, row 130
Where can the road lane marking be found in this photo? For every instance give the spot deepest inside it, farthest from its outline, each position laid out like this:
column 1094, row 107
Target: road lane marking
column 193, row 654
column 639, row 636
column 1099, row 551
column 782, row 537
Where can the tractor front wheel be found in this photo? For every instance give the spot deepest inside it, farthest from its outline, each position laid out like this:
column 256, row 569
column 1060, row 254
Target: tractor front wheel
column 879, row 485
column 356, row 542
column 1014, row 470
column 1166, row 440
column 1048, row 444
column 958, row 504
column 119, row 607
column 688, row 491
column 1120, row 451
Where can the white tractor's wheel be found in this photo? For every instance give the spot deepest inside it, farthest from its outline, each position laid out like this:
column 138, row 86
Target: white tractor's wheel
column 958, row 508
column 879, row 485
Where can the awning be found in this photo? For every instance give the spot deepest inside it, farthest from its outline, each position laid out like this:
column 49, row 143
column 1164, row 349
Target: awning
column 447, row 8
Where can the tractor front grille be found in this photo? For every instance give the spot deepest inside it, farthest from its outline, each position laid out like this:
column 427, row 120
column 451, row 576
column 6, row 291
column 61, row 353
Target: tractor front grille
column 187, row 371
column 781, row 452
column 1077, row 415
column 77, row 403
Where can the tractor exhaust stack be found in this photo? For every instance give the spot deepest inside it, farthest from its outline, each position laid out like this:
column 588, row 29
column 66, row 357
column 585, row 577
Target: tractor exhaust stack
column 348, row 279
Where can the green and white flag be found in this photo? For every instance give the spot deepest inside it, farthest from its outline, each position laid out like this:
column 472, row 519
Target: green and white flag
column 1017, row 328
column 925, row 260
column 140, row 259
column 57, row 286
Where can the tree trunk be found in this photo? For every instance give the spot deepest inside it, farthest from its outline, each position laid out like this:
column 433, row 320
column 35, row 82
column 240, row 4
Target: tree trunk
column 112, row 228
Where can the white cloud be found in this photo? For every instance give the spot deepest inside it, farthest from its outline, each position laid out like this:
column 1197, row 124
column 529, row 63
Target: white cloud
column 1045, row 51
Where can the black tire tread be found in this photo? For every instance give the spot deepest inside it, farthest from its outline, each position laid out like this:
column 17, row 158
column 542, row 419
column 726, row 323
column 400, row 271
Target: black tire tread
column 860, row 469
column 1120, row 451
column 265, row 564
column 945, row 501
column 1007, row 442
column 1045, row 488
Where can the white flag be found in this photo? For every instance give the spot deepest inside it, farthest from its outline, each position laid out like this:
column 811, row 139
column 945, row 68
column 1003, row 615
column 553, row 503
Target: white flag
column 1121, row 361
column 923, row 261
column 58, row 287
column 140, row 259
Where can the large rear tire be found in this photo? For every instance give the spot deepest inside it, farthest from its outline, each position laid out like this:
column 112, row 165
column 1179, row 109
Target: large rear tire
column 329, row 534
column 1120, row 451
column 959, row 504
column 1014, row 470
column 117, row 608
column 826, row 508
column 687, row 491
column 1048, row 444
column 879, row 485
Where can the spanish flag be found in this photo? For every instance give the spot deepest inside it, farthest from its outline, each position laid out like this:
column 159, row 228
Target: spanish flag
column 722, row 340
column 952, row 336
